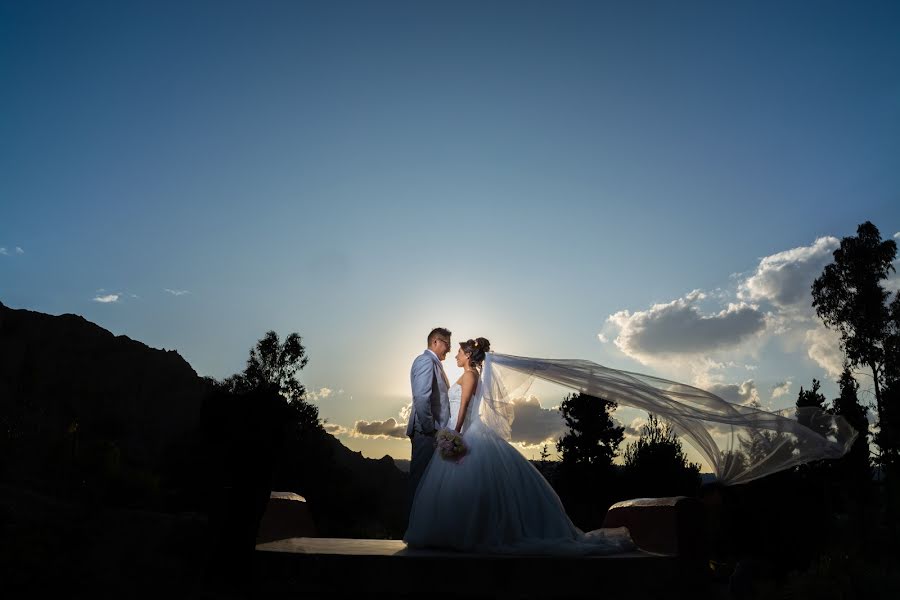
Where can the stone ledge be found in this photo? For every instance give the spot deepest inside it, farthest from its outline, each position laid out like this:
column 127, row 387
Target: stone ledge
column 326, row 566
column 287, row 516
column 672, row 525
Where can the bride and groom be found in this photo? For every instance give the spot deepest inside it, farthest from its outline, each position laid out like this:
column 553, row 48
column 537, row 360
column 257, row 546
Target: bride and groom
column 495, row 500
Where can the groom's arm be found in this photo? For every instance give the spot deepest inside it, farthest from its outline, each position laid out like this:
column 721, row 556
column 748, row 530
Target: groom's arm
column 422, row 381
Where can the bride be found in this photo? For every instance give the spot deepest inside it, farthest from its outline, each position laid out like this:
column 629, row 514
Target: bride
column 494, row 500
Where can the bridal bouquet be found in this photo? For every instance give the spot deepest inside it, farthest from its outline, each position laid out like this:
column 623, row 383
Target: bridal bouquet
column 451, row 445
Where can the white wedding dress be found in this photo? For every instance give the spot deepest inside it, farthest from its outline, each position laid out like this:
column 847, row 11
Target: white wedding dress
column 495, row 501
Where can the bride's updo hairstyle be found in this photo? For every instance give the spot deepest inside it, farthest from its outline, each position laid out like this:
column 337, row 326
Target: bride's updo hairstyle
column 476, row 349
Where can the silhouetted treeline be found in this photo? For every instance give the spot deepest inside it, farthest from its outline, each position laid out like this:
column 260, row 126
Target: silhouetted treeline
column 109, row 448
column 850, row 297
column 587, row 480
column 94, row 418
column 828, row 527
column 348, row 495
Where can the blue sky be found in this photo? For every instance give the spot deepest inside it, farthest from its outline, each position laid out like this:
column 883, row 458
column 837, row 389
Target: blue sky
column 542, row 174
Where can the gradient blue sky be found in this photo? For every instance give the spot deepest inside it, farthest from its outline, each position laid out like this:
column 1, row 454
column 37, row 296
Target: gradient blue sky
column 360, row 172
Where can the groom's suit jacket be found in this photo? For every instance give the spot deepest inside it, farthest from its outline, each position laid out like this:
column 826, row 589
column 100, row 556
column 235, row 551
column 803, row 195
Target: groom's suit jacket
column 430, row 405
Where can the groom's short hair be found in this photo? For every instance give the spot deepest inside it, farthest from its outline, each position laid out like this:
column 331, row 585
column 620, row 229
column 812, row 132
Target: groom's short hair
column 439, row 332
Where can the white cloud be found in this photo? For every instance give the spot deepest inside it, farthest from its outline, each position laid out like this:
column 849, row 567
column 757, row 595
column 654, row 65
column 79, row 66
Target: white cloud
column 701, row 336
column 680, row 328
column 744, row 393
column 892, row 283
column 19, row 250
column 321, row 393
column 634, row 428
column 534, row 424
column 705, row 371
column 176, row 292
column 897, row 236
column 107, row 298
column 824, row 347
column 603, row 339
column 785, row 278
column 781, row 389
column 4, row 252
column 388, row 428
column 335, row 429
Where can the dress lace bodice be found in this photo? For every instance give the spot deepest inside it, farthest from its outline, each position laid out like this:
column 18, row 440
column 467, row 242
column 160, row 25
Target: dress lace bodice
column 454, row 394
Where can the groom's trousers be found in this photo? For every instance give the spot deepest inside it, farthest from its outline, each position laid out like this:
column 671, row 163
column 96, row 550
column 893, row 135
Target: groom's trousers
column 422, row 451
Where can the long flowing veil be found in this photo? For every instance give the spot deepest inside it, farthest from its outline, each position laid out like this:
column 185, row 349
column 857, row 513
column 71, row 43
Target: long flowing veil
column 740, row 443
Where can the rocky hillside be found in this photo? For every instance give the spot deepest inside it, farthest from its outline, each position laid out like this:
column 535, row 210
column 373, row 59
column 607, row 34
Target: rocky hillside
column 77, row 401
column 65, row 379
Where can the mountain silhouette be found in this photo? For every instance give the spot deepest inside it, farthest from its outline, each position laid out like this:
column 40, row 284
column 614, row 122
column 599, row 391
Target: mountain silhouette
column 65, row 378
column 76, row 399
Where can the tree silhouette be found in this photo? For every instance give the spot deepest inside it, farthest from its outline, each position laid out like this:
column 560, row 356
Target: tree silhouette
column 273, row 365
column 260, row 434
column 888, row 435
column 852, row 473
column 543, row 464
column 761, row 445
column 545, row 453
column 811, row 409
column 656, row 465
column 848, row 297
column 785, row 516
column 847, row 405
column 812, row 399
column 585, row 477
column 593, row 437
column 243, row 437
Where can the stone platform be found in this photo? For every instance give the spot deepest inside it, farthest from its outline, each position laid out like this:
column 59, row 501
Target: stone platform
column 332, row 567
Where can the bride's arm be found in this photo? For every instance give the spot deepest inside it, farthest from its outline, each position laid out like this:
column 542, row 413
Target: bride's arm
column 469, row 380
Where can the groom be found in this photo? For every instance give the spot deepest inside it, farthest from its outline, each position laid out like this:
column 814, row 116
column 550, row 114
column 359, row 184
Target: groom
column 430, row 405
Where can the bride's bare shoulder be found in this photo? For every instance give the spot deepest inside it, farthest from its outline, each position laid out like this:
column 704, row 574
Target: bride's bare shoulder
column 468, row 377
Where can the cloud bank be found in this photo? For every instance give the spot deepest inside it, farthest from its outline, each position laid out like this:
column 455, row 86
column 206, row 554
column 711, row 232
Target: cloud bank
column 680, row 327
column 388, row 428
column 785, row 279
column 823, row 348
column 745, row 393
column 703, row 333
column 781, row 389
column 534, row 425
column 334, row 429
